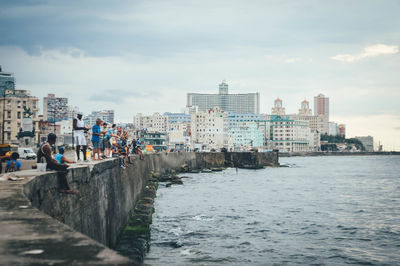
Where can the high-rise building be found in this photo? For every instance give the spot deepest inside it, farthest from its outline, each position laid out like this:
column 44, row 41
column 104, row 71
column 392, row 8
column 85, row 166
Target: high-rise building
column 321, row 107
column 55, row 108
column 235, row 103
column 15, row 105
column 278, row 108
column 7, row 82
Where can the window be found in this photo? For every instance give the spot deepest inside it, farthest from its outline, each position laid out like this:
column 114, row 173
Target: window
column 19, row 115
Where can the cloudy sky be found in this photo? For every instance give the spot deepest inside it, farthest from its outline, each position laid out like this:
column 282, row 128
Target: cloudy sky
column 144, row 56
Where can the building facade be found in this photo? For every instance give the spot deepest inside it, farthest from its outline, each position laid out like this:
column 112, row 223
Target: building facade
column 247, row 131
column 153, row 123
column 55, row 108
column 321, row 108
column 209, row 129
column 15, row 104
column 106, row 115
column 235, row 103
column 342, row 130
column 289, row 135
column 278, row 108
column 333, row 129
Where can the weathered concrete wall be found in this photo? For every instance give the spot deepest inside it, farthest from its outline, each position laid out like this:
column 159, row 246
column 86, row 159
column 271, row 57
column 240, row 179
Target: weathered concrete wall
column 108, row 193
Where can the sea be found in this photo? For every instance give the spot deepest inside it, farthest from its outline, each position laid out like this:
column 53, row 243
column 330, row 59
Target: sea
column 331, row 210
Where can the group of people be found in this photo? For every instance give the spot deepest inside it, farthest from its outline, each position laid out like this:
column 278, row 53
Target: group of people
column 107, row 141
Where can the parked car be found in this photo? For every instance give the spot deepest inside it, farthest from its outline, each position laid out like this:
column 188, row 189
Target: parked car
column 26, row 153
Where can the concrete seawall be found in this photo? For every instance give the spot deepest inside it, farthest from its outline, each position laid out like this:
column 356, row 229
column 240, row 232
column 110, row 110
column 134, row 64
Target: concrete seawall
column 107, row 194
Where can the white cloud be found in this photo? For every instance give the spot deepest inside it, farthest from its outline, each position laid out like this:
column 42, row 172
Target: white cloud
column 369, row 51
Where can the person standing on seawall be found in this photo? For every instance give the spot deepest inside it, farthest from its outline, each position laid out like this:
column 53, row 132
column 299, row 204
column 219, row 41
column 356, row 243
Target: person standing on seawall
column 79, row 136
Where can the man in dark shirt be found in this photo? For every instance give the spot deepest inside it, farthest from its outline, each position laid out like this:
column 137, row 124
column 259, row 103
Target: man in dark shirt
column 44, row 154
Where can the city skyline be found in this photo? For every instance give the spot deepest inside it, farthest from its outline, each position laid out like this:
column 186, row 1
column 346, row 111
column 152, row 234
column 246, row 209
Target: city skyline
column 137, row 63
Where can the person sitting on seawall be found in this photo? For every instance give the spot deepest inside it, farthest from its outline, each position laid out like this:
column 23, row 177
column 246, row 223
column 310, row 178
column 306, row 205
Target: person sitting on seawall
column 60, row 158
column 13, row 165
column 44, row 154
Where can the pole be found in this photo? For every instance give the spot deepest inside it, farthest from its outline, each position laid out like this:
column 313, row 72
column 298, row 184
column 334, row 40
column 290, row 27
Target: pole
column 4, row 107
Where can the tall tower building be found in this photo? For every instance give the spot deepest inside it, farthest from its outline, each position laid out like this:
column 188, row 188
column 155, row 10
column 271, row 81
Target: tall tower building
column 305, row 108
column 278, row 108
column 321, row 107
column 223, row 88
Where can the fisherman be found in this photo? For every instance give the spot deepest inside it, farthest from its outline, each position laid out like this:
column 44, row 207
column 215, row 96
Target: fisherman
column 79, row 136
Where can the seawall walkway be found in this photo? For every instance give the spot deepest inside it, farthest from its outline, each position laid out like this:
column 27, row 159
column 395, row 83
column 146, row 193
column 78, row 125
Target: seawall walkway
column 41, row 226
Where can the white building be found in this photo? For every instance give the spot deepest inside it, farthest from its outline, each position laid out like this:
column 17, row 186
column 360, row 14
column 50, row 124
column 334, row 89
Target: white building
column 333, row 129
column 210, row 129
column 289, row 135
column 179, row 135
column 153, row 123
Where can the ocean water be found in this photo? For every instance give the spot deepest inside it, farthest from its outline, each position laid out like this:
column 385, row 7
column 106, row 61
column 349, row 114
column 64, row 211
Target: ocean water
column 320, row 210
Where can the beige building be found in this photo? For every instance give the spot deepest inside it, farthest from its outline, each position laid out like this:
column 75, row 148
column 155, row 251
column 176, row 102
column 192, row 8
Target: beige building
column 153, row 123
column 13, row 105
column 210, row 129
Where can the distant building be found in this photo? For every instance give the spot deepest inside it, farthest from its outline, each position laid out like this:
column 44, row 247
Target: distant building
column 247, row 131
column 14, row 103
column 152, row 123
column 179, row 135
column 368, row 142
column 173, row 118
column 333, row 129
column 7, row 82
column 106, row 115
column 278, row 108
column 342, row 130
column 321, row 107
column 235, row 103
column 209, row 129
column 289, row 135
column 55, row 108
column 305, row 109
column 158, row 140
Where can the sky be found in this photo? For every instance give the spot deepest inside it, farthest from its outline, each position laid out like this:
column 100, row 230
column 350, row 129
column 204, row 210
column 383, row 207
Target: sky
column 145, row 56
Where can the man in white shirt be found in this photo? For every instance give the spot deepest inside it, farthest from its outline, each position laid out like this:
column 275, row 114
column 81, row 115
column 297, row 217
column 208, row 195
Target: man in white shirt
column 79, row 135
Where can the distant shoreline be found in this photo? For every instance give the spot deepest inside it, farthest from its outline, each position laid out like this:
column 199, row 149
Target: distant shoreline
column 309, row 154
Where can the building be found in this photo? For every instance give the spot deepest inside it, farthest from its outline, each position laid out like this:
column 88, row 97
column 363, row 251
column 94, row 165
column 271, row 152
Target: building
column 368, row 142
column 333, row 129
column 209, row 129
column 72, row 112
column 16, row 106
column 305, row 109
column 7, row 82
column 158, row 140
column 289, row 135
column 173, row 118
column 278, row 108
column 321, row 108
column 179, row 135
column 55, row 108
column 106, row 115
column 235, row 103
column 247, row 131
column 152, row 123
column 342, row 130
